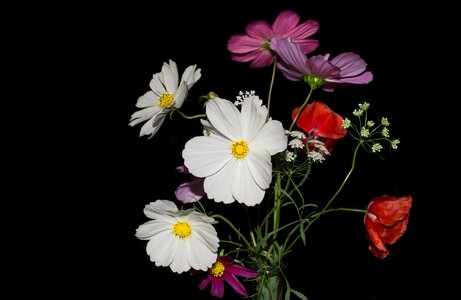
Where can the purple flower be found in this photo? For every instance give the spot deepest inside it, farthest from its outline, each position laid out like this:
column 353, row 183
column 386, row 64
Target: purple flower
column 254, row 46
column 224, row 269
column 318, row 71
column 191, row 191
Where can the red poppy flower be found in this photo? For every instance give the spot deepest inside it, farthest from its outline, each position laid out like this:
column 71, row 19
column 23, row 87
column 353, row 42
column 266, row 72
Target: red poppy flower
column 319, row 121
column 386, row 221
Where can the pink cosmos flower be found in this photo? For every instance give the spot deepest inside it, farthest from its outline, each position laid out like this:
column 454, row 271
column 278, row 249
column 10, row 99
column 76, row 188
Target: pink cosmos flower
column 318, row 71
column 191, row 191
column 254, row 46
column 225, row 270
column 386, row 221
column 317, row 120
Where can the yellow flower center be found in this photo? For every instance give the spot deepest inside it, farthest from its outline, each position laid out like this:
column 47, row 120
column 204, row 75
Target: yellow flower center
column 165, row 100
column 182, row 229
column 217, row 269
column 240, row 149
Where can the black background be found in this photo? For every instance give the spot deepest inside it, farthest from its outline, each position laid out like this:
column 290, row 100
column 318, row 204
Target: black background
column 91, row 174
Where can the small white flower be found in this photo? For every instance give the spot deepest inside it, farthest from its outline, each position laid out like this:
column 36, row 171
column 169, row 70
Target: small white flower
column 167, row 91
column 298, row 134
column 384, row 121
column 180, row 239
column 235, row 159
column 296, row 144
column 364, row 132
column 346, row 123
column 364, row 105
column 290, row 156
column 357, row 112
column 376, row 147
column 370, row 123
column 385, row 132
column 394, row 144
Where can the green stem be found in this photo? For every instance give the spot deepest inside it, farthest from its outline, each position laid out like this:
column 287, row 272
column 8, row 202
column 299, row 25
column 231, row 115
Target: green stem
column 301, row 108
column 270, row 86
column 190, row 117
column 277, row 203
column 354, row 158
column 324, row 209
column 233, row 228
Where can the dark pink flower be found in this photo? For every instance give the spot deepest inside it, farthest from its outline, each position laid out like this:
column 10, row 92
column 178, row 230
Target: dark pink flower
column 386, row 221
column 225, row 270
column 319, row 71
column 319, row 121
column 191, row 191
column 254, row 46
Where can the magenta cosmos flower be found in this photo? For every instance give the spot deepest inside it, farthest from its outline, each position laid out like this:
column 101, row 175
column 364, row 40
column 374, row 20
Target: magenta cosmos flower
column 225, row 270
column 318, row 71
column 254, row 46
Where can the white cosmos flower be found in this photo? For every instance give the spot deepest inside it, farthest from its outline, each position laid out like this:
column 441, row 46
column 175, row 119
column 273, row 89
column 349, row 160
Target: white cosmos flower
column 235, row 158
column 180, row 239
column 167, row 91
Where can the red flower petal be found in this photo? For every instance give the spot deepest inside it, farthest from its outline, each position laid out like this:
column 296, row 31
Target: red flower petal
column 318, row 119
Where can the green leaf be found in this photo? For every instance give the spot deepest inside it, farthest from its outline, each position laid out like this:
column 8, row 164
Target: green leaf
column 299, row 294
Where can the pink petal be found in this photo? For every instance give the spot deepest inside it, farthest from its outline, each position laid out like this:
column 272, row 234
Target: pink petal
column 350, row 64
column 242, row 271
column 285, row 21
column 264, row 59
column 241, row 44
column 308, row 45
column 205, row 282
column 191, row 191
column 235, row 283
column 217, row 287
column 303, row 31
column 320, row 66
column 365, row 78
column 259, row 30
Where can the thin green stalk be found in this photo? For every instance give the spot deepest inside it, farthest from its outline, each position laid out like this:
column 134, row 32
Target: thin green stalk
column 233, row 228
column 270, row 86
column 277, row 203
column 300, row 110
column 324, row 209
column 190, row 117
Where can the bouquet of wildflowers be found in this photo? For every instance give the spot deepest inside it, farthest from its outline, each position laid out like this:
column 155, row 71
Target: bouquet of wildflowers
column 244, row 156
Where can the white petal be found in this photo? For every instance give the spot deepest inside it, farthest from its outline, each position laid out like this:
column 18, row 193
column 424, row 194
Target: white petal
column 218, row 187
column 148, row 99
column 253, row 118
column 272, row 137
column 143, row 115
column 150, row 228
column 180, row 95
column 191, row 75
column 205, row 155
column 260, row 167
column 170, row 76
column 158, row 208
column 244, row 188
column 200, row 257
column 225, row 117
column 206, row 233
column 153, row 125
column 180, row 263
column 158, row 245
column 156, row 85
